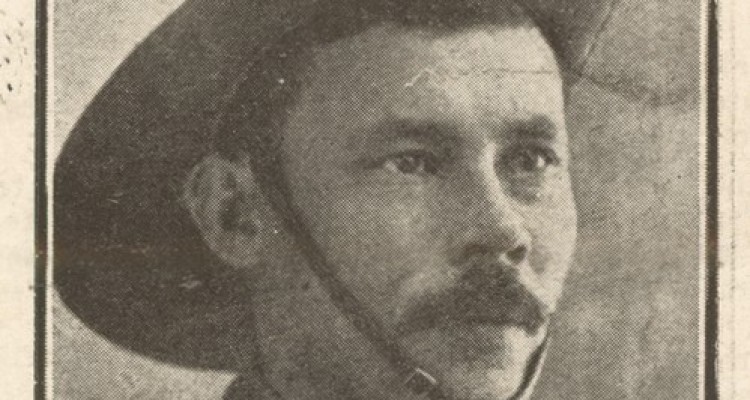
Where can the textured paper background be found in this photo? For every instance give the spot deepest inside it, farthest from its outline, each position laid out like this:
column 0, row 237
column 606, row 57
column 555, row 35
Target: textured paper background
column 734, row 150
column 632, row 301
column 102, row 365
column 628, row 326
column 16, row 198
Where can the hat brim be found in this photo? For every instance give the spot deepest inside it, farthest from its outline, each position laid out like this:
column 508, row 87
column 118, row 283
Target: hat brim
column 127, row 259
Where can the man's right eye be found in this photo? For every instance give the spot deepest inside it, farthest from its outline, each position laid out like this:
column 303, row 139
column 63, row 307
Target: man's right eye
column 412, row 163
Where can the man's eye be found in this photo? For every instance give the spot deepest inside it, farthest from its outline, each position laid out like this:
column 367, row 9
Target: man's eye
column 411, row 163
column 529, row 160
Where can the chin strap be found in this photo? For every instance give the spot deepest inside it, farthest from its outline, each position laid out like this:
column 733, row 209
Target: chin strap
column 533, row 370
column 422, row 383
column 416, row 379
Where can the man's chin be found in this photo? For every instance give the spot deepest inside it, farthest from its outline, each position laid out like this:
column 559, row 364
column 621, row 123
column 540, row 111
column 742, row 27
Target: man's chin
column 475, row 361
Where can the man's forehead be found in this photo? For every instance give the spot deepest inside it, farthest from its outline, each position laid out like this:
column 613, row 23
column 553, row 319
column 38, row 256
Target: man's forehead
column 483, row 48
column 491, row 76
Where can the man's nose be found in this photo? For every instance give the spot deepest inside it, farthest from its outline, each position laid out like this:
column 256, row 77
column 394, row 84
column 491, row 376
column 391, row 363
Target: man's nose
column 492, row 227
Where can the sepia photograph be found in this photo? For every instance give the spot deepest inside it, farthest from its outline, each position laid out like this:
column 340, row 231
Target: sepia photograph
column 380, row 199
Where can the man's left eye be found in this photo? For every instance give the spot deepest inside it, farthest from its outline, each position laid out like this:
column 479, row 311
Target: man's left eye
column 528, row 160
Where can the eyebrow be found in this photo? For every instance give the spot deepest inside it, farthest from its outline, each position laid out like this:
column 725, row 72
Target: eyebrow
column 537, row 127
column 436, row 133
column 445, row 133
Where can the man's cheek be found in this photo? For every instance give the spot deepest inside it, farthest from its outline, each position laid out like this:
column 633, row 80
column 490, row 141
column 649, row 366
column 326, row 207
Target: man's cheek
column 388, row 238
column 553, row 232
column 394, row 213
column 551, row 269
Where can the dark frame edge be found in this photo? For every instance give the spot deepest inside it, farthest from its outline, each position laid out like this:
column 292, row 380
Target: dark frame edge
column 40, row 202
column 711, row 387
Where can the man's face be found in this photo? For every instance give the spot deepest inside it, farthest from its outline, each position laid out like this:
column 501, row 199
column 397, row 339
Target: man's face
column 431, row 170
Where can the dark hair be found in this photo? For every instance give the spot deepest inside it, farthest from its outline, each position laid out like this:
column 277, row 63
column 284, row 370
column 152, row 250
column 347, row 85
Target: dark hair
column 258, row 109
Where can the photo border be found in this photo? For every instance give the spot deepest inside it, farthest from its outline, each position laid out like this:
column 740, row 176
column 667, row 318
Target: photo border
column 43, row 191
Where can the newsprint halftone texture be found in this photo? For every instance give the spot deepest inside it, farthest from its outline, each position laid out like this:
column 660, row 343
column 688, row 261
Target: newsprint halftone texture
column 626, row 324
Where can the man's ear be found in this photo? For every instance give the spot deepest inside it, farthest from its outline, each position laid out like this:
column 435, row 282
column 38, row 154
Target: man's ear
column 229, row 209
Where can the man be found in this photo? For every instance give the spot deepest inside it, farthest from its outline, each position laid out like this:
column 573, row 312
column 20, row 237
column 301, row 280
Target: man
column 390, row 183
